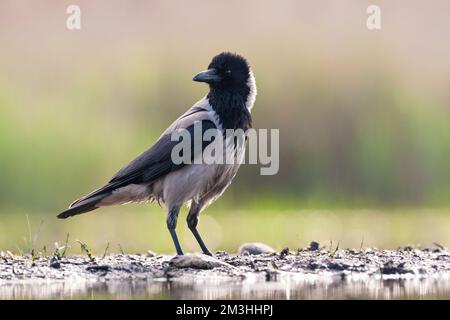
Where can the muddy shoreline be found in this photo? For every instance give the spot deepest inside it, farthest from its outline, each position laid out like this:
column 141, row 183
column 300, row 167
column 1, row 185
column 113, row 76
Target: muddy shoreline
column 405, row 262
column 308, row 273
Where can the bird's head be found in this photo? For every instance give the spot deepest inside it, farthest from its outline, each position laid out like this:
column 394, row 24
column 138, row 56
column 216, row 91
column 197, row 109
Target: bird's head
column 228, row 72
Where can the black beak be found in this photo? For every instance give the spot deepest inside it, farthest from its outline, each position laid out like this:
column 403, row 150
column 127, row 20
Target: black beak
column 208, row 76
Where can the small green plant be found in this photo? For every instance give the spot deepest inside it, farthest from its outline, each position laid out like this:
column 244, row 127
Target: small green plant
column 106, row 251
column 20, row 251
column 60, row 252
column 31, row 241
column 34, row 254
column 66, row 245
column 361, row 246
column 440, row 246
column 332, row 251
column 330, row 248
column 85, row 249
column 274, row 265
column 121, row 249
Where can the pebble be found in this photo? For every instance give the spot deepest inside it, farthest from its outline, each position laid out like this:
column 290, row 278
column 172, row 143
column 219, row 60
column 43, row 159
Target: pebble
column 255, row 248
column 150, row 254
column 196, row 261
column 314, row 246
column 284, row 253
column 54, row 263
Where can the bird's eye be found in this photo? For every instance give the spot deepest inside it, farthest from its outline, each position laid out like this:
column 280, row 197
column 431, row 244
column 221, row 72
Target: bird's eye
column 228, row 71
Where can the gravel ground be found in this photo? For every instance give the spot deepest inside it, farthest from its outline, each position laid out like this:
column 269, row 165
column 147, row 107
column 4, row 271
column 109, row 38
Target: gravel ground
column 403, row 262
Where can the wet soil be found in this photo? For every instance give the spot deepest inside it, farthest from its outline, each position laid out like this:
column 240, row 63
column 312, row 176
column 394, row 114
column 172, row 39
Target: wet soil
column 403, row 261
column 274, row 268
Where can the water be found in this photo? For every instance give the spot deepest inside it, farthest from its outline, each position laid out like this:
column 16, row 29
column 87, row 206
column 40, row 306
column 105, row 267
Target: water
column 304, row 287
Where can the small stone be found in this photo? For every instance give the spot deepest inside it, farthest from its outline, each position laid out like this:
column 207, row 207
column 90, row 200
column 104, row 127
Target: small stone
column 196, row 261
column 255, row 248
column 337, row 266
column 95, row 268
column 150, row 254
column 284, row 253
column 54, row 263
column 393, row 268
column 314, row 246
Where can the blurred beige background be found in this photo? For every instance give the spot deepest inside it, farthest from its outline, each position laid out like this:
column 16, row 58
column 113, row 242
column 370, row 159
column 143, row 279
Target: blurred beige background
column 364, row 116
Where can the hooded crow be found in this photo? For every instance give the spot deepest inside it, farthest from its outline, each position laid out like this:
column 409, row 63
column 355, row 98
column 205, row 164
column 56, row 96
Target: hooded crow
column 154, row 176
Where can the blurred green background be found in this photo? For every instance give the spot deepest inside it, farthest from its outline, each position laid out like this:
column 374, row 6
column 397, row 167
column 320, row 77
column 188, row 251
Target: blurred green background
column 364, row 119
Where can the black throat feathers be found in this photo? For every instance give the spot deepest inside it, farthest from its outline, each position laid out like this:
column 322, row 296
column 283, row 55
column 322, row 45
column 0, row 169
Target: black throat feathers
column 231, row 108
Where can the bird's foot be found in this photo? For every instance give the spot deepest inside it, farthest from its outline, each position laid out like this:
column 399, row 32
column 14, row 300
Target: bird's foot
column 208, row 253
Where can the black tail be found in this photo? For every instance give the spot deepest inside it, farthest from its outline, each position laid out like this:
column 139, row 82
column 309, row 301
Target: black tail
column 90, row 202
column 81, row 206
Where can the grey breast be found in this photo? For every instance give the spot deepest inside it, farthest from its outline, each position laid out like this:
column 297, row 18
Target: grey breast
column 199, row 183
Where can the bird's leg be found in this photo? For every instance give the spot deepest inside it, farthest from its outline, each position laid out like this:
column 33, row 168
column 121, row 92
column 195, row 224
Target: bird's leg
column 192, row 221
column 172, row 217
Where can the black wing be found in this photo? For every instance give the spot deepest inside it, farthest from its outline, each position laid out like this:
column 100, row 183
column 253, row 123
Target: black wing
column 148, row 167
